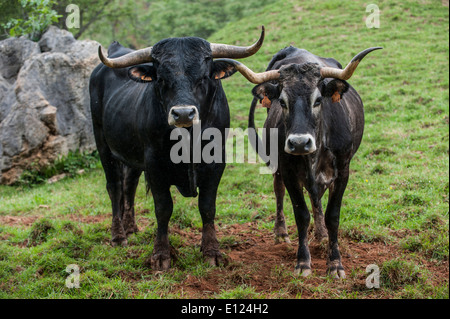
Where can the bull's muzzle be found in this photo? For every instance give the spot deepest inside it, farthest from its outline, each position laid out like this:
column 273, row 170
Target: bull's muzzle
column 183, row 116
column 300, row 144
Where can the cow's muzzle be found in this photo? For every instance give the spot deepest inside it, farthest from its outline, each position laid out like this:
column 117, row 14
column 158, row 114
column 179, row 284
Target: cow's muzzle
column 300, row 144
column 183, row 116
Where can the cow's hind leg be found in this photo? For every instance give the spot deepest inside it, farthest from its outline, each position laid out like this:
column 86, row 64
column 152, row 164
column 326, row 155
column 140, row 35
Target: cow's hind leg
column 320, row 230
column 332, row 214
column 130, row 183
column 280, row 229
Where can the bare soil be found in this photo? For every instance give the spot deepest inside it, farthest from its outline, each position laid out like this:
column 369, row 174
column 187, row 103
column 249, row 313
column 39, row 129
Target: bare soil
column 256, row 260
column 253, row 259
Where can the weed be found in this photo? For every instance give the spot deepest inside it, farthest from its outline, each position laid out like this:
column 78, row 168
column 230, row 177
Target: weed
column 70, row 165
column 40, row 231
column 397, row 272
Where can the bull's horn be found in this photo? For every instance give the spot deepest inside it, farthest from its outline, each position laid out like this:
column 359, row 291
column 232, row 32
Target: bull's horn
column 236, row 52
column 345, row 74
column 256, row 78
column 132, row 58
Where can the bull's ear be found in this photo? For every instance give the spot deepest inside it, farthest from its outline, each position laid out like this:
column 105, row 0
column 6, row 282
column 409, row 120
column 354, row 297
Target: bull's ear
column 222, row 70
column 335, row 89
column 142, row 73
column 266, row 93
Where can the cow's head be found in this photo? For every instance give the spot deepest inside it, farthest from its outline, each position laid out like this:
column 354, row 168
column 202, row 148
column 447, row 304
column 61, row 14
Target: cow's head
column 183, row 72
column 300, row 90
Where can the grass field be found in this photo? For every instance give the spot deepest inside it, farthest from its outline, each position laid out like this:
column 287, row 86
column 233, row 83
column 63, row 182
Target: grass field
column 394, row 214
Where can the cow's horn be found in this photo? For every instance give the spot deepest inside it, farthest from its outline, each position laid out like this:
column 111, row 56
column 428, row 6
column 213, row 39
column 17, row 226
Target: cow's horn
column 256, row 78
column 236, row 52
column 345, row 74
column 132, row 58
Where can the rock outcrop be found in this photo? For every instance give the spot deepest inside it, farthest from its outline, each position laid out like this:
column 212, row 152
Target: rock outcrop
column 44, row 100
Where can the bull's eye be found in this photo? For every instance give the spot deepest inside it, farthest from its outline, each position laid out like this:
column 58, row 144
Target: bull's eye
column 318, row 101
column 283, row 103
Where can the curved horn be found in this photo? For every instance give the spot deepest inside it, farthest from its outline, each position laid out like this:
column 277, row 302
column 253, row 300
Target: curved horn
column 132, row 58
column 236, row 52
column 256, row 78
column 345, row 74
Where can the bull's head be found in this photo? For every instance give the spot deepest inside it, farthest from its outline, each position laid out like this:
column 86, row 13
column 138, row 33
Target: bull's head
column 184, row 73
column 300, row 90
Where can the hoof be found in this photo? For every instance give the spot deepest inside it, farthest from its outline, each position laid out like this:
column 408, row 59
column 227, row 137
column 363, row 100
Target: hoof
column 160, row 262
column 119, row 242
column 302, row 271
column 321, row 237
column 282, row 238
column 214, row 259
column 336, row 273
column 131, row 231
column 336, row 270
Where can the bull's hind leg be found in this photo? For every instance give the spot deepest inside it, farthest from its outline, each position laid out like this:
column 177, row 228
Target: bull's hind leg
column 332, row 214
column 279, row 229
column 130, row 183
column 114, row 175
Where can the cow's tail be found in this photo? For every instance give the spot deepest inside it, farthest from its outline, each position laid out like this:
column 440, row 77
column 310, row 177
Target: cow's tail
column 255, row 140
column 251, row 125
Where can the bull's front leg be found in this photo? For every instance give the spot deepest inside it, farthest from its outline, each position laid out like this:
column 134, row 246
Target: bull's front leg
column 156, row 177
column 208, row 183
column 160, row 259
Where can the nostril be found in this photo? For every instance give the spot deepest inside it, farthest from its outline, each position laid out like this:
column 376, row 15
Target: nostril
column 308, row 144
column 175, row 114
column 192, row 114
column 290, row 145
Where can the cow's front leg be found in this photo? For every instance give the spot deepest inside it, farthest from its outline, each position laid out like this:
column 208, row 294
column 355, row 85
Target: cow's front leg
column 162, row 198
column 302, row 219
column 335, row 268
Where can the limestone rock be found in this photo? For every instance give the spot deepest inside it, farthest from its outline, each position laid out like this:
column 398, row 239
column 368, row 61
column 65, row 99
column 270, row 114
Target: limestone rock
column 44, row 100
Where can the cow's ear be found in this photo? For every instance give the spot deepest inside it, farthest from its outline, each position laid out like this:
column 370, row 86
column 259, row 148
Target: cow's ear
column 222, row 70
column 335, row 89
column 142, row 73
column 266, row 93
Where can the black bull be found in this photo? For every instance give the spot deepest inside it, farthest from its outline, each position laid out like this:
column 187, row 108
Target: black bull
column 320, row 122
column 136, row 101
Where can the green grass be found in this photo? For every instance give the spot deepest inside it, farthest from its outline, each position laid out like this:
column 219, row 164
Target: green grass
column 397, row 196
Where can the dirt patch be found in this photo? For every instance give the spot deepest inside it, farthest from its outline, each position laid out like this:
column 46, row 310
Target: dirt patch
column 24, row 221
column 254, row 260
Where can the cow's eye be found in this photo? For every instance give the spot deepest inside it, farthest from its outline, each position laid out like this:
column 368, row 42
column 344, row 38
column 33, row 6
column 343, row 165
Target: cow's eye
column 283, row 103
column 318, row 101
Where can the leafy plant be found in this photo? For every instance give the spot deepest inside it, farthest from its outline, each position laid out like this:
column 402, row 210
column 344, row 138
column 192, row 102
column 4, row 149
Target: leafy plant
column 70, row 165
column 38, row 16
